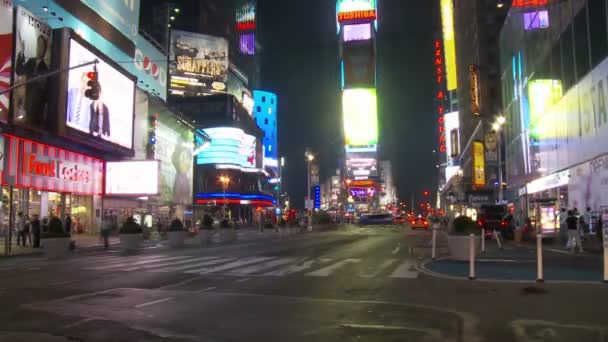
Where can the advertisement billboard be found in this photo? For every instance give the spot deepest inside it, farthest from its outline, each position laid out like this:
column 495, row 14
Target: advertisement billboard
column 122, row 14
column 134, row 177
column 32, row 58
column 359, row 66
column 449, row 42
column 360, row 115
column 479, row 165
column 110, row 118
column 343, row 6
column 174, row 148
column 199, row 64
column 265, row 114
column 6, row 53
column 357, row 32
column 451, row 122
column 229, row 145
column 39, row 166
column 361, row 164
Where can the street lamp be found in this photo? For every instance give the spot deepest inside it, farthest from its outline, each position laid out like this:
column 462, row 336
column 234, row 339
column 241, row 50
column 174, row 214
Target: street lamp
column 225, row 181
column 309, row 158
column 497, row 126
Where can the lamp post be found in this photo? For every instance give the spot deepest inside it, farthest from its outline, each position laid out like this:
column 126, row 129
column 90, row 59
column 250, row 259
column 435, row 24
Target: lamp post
column 225, row 181
column 497, row 126
column 309, row 158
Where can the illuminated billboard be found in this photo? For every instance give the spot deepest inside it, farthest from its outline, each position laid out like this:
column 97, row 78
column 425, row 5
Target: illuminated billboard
column 479, row 165
column 359, row 66
column 344, row 6
column 449, row 42
column 109, row 118
column 529, row 3
column 452, row 125
column 536, row 20
column 6, row 51
column 137, row 177
column 360, row 116
column 265, row 114
column 542, row 95
column 357, row 32
column 229, row 145
column 198, row 64
column 361, row 164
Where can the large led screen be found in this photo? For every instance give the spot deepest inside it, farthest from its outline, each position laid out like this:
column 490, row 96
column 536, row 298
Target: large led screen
column 451, row 123
column 357, row 32
column 343, row 6
column 32, row 59
column 110, row 118
column 359, row 66
column 542, row 95
column 6, row 51
column 360, row 115
column 199, row 64
column 229, row 145
column 361, row 164
column 449, row 42
column 132, row 177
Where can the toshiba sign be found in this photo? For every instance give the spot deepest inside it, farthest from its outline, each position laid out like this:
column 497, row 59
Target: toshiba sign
column 43, row 167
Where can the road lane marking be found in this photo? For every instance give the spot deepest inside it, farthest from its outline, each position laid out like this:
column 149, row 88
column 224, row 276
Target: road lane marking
column 300, row 266
column 190, row 266
column 163, row 264
column 261, row 267
column 231, row 265
column 405, row 270
column 326, row 271
column 158, row 301
column 82, row 321
column 143, row 262
column 396, row 250
column 434, row 333
column 210, row 288
column 386, row 264
column 243, row 280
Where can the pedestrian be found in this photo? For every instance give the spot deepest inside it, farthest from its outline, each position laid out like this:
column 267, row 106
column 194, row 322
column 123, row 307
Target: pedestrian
column 19, row 226
column 106, row 230
column 563, row 227
column 26, row 230
column 68, row 224
column 588, row 216
column 45, row 224
column 574, row 237
column 36, row 229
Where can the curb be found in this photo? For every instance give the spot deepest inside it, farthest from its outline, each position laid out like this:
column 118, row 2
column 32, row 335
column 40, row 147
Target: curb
column 422, row 268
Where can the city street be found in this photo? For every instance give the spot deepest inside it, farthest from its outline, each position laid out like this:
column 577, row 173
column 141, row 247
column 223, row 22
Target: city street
column 351, row 284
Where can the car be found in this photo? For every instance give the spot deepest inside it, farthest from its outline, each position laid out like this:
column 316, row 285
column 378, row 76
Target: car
column 490, row 217
column 376, row 219
column 399, row 220
column 419, row 223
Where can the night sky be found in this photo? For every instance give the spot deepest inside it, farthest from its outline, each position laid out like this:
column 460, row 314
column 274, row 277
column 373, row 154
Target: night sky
column 300, row 63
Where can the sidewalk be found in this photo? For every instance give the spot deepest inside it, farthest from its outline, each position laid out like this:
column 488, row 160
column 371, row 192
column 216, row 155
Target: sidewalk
column 519, row 263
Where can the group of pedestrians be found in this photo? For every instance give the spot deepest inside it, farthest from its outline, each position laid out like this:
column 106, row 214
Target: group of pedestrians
column 28, row 229
column 573, row 226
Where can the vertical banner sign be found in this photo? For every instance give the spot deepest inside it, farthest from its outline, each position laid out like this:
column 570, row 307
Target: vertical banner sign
column 474, row 80
column 491, row 147
column 317, row 197
column 449, row 42
column 32, row 59
column 6, row 52
column 314, row 174
column 440, row 97
column 479, row 165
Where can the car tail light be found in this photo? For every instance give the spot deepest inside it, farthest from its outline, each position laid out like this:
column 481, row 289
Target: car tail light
column 503, row 223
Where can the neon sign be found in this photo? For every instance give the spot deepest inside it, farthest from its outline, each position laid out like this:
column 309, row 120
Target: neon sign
column 529, row 3
column 440, row 95
column 357, row 15
column 246, row 26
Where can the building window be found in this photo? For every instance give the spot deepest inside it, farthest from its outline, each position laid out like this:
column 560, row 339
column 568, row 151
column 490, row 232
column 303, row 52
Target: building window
column 263, row 98
column 567, row 58
column 266, row 121
column 597, row 31
column 581, row 44
column 272, row 100
column 556, row 62
column 259, row 109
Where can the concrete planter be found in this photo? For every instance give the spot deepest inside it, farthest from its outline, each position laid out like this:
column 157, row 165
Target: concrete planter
column 234, row 235
column 130, row 242
column 458, row 246
column 176, row 239
column 56, row 248
column 205, row 236
column 226, row 235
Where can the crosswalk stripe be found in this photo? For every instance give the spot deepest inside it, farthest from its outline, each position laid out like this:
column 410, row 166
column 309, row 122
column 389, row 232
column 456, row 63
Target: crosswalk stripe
column 191, row 266
column 386, row 264
column 261, row 267
column 234, row 264
column 169, row 263
column 303, row 265
column 148, row 261
column 124, row 259
column 325, row 271
column 404, row 270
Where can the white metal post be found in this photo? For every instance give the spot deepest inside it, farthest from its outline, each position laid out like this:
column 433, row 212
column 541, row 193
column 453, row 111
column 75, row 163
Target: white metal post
column 605, row 247
column 433, row 242
column 500, row 190
column 497, row 237
column 310, row 210
column 483, row 240
column 472, row 256
column 539, row 257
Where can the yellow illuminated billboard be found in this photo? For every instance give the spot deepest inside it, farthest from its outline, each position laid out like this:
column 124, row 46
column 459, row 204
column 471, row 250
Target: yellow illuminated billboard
column 542, row 95
column 449, row 42
column 360, row 115
column 479, row 165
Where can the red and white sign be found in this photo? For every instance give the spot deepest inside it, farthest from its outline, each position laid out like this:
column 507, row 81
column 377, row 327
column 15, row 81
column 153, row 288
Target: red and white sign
column 43, row 167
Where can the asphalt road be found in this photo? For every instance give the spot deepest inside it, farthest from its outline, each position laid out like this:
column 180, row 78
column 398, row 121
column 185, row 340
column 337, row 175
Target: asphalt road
column 353, row 284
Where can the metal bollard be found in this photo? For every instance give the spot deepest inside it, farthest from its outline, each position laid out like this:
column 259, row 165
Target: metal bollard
column 605, row 242
column 539, row 257
column 483, row 240
column 433, row 242
column 497, row 237
column 472, row 257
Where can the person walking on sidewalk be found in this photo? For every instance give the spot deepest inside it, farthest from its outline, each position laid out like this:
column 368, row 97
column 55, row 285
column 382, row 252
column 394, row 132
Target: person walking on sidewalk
column 106, row 229
column 68, row 224
column 563, row 226
column 36, row 229
column 19, row 227
column 574, row 237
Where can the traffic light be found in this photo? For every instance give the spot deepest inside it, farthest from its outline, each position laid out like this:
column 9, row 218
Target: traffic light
column 92, row 91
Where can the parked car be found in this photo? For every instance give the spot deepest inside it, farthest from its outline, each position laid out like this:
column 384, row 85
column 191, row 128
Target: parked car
column 376, row 219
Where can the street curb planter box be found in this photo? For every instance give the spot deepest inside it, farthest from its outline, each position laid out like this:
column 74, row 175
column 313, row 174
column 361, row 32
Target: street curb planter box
column 130, row 242
column 56, row 248
column 458, row 246
column 205, row 236
column 225, row 235
column 176, row 239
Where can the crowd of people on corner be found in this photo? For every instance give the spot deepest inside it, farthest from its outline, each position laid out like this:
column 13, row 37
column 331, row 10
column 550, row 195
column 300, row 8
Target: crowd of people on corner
column 29, row 229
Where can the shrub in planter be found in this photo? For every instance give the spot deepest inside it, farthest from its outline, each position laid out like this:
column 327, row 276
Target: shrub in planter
column 56, row 241
column 282, row 223
column 207, row 222
column 321, row 217
column 176, row 233
column 176, row 226
column 458, row 239
column 55, row 230
column 464, row 225
column 225, row 224
column 130, row 235
column 130, row 227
